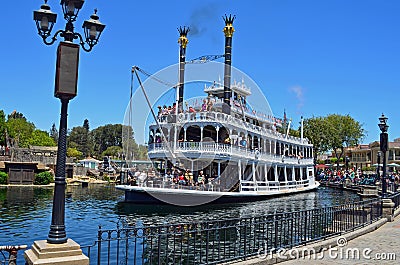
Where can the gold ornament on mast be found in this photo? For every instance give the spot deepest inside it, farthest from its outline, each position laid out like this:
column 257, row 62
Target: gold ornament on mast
column 229, row 29
column 183, row 40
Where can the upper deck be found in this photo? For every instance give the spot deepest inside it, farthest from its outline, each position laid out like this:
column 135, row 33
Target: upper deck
column 220, row 135
column 231, row 122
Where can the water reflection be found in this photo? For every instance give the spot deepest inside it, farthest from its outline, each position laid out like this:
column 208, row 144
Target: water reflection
column 25, row 212
column 162, row 214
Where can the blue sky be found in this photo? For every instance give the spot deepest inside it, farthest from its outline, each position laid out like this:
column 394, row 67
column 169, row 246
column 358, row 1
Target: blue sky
column 311, row 58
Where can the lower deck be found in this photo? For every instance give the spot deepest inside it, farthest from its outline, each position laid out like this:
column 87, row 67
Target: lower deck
column 227, row 175
column 192, row 197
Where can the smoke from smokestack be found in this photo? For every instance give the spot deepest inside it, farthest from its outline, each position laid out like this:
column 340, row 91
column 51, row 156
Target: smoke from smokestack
column 202, row 18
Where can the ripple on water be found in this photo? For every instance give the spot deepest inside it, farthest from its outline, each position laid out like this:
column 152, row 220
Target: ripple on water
column 25, row 212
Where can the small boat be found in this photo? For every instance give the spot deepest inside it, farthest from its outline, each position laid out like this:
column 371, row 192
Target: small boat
column 218, row 148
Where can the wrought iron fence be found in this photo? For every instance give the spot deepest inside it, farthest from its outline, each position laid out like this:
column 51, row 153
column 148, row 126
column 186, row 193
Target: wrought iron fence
column 8, row 254
column 227, row 240
column 396, row 200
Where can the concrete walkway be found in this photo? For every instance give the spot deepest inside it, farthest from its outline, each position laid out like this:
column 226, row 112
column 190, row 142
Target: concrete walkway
column 381, row 246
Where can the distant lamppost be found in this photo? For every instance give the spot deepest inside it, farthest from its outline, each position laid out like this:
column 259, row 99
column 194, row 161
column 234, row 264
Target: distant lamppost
column 384, row 147
column 65, row 89
column 347, row 160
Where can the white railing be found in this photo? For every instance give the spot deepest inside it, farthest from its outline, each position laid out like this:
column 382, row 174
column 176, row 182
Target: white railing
column 225, row 149
column 247, row 185
column 211, row 116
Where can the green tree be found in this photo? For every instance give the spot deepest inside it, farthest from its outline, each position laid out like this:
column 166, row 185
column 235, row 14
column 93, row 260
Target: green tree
column 73, row 152
column 41, row 138
column 54, row 133
column 86, row 124
column 294, row 132
column 113, row 151
column 111, row 135
column 88, row 142
column 80, row 138
column 344, row 131
column 106, row 136
column 2, row 128
column 19, row 130
column 317, row 131
column 16, row 115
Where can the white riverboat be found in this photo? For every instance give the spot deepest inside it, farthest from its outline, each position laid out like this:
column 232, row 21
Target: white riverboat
column 221, row 149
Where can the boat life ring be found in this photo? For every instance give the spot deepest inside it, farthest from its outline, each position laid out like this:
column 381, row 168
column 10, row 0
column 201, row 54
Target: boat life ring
column 181, row 117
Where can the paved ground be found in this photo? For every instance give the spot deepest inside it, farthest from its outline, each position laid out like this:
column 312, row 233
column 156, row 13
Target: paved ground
column 381, row 246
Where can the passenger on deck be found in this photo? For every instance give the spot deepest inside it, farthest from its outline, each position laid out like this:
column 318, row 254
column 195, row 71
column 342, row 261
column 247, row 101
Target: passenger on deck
column 168, row 177
column 192, row 112
column 204, row 105
column 227, row 140
column 189, row 176
column 200, row 178
column 209, row 104
column 159, row 113
column 173, row 110
column 243, row 143
column 181, row 178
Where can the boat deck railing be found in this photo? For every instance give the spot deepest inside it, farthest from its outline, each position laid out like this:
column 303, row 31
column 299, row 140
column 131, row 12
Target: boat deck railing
column 274, row 185
column 212, row 116
column 159, row 182
column 215, row 185
column 213, row 149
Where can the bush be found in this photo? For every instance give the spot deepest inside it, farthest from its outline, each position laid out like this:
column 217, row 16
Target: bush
column 106, row 178
column 368, row 169
column 43, row 178
column 3, row 178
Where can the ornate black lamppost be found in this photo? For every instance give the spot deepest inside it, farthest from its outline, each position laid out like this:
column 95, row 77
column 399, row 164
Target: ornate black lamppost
column 384, row 147
column 347, row 160
column 65, row 89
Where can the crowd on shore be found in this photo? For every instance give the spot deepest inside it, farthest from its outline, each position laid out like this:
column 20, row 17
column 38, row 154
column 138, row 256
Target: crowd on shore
column 358, row 177
column 4, row 150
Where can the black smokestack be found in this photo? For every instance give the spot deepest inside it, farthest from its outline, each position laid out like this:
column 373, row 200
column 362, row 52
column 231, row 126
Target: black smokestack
column 183, row 40
column 228, row 31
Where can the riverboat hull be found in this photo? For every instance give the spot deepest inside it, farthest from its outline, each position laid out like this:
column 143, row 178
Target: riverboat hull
column 183, row 197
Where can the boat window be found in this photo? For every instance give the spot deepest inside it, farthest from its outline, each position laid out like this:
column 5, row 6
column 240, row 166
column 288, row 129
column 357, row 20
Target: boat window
column 297, row 174
column 304, row 173
column 281, row 174
column 193, row 134
column 270, row 174
column 289, row 173
column 209, row 134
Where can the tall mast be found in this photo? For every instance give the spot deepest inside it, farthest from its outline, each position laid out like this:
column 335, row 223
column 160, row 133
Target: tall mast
column 228, row 31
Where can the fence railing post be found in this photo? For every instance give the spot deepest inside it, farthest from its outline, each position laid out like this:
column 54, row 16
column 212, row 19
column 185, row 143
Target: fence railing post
column 12, row 251
column 387, row 209
column 99, row 236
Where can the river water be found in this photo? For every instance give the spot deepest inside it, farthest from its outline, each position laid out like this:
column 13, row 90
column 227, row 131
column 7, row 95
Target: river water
column 25, row 212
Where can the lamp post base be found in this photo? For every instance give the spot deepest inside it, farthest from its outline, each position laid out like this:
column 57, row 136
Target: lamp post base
column 43, row 253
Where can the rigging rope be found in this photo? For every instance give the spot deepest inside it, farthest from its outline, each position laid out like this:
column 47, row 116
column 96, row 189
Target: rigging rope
column 152, row 111
column 153, row 77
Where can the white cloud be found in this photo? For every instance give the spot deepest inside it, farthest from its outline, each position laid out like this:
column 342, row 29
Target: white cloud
column 298, row 91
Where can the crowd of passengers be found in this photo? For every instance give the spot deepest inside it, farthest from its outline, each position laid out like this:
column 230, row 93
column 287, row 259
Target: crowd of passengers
column 167, row 110
column 357, row 177
column 178, row 176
